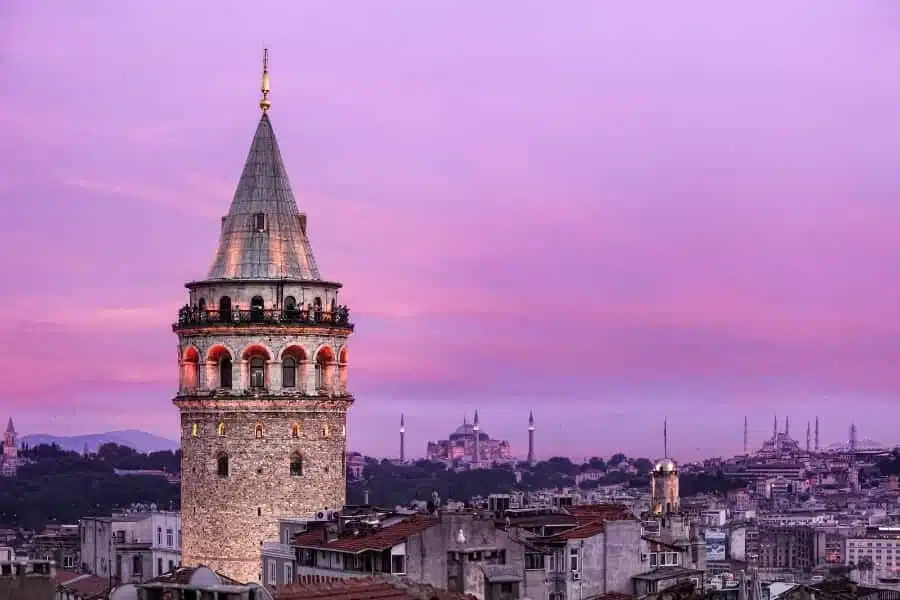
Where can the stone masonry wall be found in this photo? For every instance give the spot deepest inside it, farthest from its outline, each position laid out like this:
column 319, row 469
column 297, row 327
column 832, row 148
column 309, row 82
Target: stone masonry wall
column 225, row 520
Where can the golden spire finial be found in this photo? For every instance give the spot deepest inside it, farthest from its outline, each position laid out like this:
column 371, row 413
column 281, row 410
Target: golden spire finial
column 264, row 102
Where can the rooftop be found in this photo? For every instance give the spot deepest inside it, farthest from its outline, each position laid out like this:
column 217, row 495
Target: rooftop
column 379, row 539
column 364, row 589
column 263, row 235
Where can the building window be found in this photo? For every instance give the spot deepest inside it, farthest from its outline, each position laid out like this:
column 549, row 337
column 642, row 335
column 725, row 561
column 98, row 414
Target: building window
column 289, row 372
column 159, row 570
column 257, row 372
column 170, row 538
column 272, row 572
column 225, row 373
column 573, row 559
column 222, row 465
column 179, row 539
column 290, row 305
column 225, row 308
column 506, row 588
column 256, row 309
column 137, row 566
column 296, row 465
column 258, row 431
column 295, row 430
column 398, row 564
column 653, row 560
column 326, row 432
column 534, row 561
column 259, row 221
column 288, row 573
column 220, row 429
column 195, row 430
column 159, row 536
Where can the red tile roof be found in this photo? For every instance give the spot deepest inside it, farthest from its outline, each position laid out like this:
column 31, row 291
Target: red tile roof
column 364, row 589
column 86, row 587
column 64, row 576
column 381, row 539
column 586, row 513
column 582, row 532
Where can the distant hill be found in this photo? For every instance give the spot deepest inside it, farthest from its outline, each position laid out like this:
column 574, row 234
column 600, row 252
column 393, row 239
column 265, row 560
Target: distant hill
column 139, row 440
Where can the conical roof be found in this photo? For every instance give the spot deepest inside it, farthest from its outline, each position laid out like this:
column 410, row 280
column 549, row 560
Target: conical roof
column 264, row 235
column 10, row 428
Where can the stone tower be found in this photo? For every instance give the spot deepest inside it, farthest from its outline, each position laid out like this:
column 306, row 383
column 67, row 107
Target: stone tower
column 262, row 356
column 531, row 460
column 476, row 428
column 664, row 495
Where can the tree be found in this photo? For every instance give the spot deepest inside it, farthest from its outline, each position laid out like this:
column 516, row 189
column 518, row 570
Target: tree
column 617, row 459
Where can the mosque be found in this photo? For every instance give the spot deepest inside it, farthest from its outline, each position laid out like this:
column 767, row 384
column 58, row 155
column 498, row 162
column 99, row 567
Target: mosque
column 469, row 444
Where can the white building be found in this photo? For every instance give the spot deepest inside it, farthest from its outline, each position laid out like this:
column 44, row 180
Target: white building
column 136, row 547
column 882, row 549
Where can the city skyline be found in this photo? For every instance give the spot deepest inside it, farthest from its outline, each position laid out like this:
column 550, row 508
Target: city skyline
column 528, row 213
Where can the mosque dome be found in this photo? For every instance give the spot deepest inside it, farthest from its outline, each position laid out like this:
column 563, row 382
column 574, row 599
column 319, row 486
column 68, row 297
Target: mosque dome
column 666, row 465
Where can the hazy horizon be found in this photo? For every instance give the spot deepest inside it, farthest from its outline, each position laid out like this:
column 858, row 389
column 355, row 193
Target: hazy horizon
column 607, row 213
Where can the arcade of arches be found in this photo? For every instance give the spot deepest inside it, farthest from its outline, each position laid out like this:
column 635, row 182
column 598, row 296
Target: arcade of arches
column 256, row 369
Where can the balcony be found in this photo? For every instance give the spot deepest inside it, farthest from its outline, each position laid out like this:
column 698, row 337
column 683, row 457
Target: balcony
column 193, row 317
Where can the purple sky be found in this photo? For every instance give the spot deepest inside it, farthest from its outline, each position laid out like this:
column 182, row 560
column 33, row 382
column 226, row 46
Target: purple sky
column 603, row 212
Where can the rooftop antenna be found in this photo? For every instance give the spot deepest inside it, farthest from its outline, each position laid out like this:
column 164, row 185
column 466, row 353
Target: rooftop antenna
column 264, row 102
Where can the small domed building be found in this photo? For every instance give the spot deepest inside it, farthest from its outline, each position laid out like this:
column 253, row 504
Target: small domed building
column 469, row 443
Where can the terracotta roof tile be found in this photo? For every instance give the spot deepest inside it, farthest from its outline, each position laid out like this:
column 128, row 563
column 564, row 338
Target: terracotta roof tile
column 586, row 513
column 64, row 576
column 581, row 532
column 381, row 539
column 87, row 587
column 364, row 589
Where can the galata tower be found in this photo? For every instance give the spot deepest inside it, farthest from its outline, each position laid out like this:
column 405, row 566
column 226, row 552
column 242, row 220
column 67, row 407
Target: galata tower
column 262, row 357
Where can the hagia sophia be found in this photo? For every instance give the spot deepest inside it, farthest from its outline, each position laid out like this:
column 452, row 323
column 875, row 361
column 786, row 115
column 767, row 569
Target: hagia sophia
column 469, row 444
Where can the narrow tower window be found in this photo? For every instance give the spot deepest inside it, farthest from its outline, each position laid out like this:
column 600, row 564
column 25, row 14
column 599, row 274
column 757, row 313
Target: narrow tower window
column 326, row 432
column 258, row 431
column 221, row 429
column 225, row 373
column 290, row 305
column 295, row 430
column 296, row 465
column 225, row 308
column 259, row 221
column 201, row 305
column 195, row 430
column 257, row 372
column 222, row 465
column 256, row 309
column 289, row 372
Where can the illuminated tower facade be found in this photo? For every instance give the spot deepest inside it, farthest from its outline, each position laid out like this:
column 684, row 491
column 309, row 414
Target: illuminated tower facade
column 262, row 355
column 476, row 428
column 664, row 495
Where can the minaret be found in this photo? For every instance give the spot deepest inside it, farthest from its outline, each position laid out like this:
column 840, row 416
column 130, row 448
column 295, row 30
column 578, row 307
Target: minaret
column 787, row 427
column 817, row 434
column 746, row 427
column 10, row 447
column 531, row 459
column 262, row 388
column 775, row 429
column 477, row 430
column 808, row 437
column 665, row 438
column 402, row 440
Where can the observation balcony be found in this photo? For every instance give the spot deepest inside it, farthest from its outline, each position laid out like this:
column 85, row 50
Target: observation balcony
column 194, row 317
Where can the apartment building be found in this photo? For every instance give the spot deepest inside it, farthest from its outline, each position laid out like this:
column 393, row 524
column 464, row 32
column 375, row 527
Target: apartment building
column 131, row 547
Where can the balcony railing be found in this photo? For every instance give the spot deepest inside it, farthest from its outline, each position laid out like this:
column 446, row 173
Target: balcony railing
column 340, row 317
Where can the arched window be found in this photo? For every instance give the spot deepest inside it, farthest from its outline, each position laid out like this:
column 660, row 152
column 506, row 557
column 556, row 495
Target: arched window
column 220, row 430
column 317, row 303
column 195, row 430
column 295, row 430
column 225, row 308
column 333, row 305
column 201, row 305
column 326, row 432
column 290, row 305
column 256, row 309
column 258, row 431
column 257, row 372
column 222, row 465
column 225, row 373
column 289, row 372
column 296, row 465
